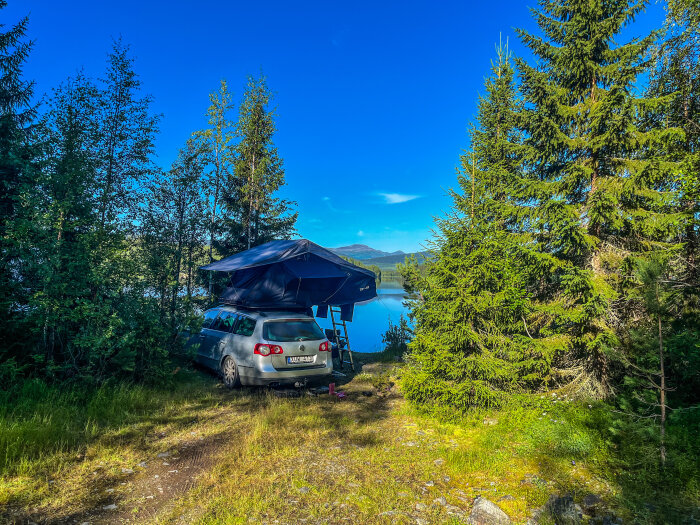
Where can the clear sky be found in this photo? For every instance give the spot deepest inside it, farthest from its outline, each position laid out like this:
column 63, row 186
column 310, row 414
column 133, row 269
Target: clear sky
column 373, row 98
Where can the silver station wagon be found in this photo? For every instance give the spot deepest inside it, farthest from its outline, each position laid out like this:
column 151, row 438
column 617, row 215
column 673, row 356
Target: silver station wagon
column 253, row 347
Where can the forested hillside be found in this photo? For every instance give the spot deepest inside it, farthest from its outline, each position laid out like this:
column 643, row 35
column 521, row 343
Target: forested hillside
column 100, row 247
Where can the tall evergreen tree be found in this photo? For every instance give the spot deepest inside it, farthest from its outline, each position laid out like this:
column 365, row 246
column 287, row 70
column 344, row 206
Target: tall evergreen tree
column 255, row 214
column 217, row 139
column 592, row 194
column 17, row 156
column 676, row 77
column 662, row 307
column 472, row 345
column 61, row 225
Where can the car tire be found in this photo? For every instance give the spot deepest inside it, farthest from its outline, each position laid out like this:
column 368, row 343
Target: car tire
column 229, row 373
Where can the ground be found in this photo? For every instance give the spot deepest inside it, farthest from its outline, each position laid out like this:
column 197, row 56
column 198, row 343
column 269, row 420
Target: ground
column 203, row 454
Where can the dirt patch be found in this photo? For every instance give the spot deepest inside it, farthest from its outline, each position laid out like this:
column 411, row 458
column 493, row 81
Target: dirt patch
column 155, row 484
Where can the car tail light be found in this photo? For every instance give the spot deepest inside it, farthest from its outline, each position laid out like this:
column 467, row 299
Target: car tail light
column 265, row 350
column 323, row 347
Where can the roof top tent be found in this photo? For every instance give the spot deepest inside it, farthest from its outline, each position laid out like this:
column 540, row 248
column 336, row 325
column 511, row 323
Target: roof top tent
column 297, row 275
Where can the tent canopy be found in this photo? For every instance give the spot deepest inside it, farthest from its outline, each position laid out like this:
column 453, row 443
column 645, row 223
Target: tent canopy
column 293, row 274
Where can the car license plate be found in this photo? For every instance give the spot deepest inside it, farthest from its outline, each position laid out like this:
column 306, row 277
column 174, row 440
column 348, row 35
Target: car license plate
column 296, row 359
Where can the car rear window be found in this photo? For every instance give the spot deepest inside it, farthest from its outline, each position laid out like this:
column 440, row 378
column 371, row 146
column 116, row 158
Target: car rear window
column 293, row 330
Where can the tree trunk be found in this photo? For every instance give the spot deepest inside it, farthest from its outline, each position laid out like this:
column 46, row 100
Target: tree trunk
column 178, row 264
column 251, row 198
column 212, row 222
column 594, row 166
column 110, row 168
column 473, row 186
column 662, row 392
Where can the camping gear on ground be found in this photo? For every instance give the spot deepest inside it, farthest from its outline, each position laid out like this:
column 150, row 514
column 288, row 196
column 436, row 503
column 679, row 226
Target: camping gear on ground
column 296, row 275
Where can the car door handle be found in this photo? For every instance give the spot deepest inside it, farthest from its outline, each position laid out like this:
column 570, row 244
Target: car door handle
column 202, row 336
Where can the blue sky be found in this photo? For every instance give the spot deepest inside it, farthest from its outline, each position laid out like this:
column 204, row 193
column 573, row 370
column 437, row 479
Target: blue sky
column 373, row 98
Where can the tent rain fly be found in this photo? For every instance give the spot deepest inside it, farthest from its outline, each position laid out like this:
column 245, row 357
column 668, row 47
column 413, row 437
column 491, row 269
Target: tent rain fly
column 294, row 274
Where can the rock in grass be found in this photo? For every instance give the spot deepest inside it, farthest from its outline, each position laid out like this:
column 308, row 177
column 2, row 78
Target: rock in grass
column 485, row 512
column 590, row 503
column 127, row 471
column 440, row 501
column 562, row 510
column 111, row 506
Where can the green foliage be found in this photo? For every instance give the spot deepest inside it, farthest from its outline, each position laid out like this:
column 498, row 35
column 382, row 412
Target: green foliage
column 100, row 248
column 475, row 314
column 571, row 178
column 17, row 167
column 254, row 214
column 216, row 143
column 597, row 190
column 397, row 337
column 84, row 304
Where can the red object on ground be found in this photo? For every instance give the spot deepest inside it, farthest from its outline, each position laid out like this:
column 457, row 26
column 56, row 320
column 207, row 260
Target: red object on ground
column 341, row 395
column 331, row 389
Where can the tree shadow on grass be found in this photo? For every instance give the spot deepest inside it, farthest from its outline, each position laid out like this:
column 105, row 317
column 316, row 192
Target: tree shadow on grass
column 644, row 494
column 141, row 436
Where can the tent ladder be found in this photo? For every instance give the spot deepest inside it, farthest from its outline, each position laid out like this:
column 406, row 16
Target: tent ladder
column 341, row 338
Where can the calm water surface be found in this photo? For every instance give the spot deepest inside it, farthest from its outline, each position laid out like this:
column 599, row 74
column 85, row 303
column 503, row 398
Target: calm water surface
column 371, row 319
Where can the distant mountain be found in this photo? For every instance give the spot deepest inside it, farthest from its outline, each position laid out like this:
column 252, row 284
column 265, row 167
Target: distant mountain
column 387, row 261
column 363, row 252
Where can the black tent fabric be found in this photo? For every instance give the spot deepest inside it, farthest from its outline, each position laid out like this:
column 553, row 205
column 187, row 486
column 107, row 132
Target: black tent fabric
column 294, row 275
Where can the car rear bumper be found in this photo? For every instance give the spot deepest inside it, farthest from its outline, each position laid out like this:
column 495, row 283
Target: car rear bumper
column 270, row 376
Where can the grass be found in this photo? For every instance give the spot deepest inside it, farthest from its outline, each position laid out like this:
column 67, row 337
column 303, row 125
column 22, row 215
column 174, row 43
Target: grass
column 258, row 458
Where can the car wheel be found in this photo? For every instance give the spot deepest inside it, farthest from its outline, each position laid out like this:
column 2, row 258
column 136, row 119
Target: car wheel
column 229, row 373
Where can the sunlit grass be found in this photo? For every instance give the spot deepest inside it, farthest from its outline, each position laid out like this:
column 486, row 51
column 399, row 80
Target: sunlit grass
column 367, row 459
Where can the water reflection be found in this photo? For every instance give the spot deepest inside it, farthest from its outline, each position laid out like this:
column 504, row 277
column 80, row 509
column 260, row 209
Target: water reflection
column 371, row 318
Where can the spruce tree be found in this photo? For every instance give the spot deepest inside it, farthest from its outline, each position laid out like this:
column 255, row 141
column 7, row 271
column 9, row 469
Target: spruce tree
column 662, row 305
column 676, row 76
column 17, row 169
column 473, row 344
column 592, row 195
column 255, row 214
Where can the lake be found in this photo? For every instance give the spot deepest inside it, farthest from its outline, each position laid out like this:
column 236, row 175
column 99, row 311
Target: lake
column 371, row 318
